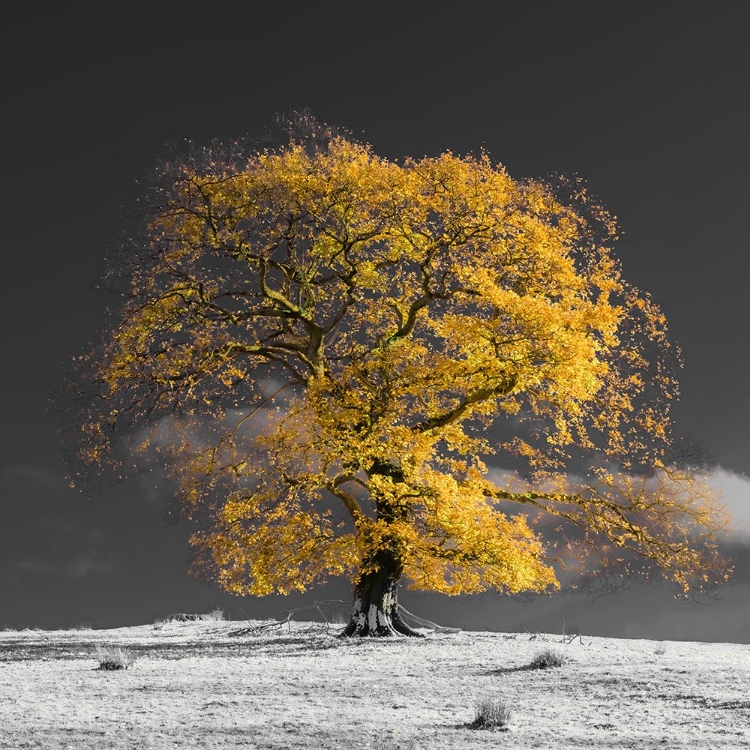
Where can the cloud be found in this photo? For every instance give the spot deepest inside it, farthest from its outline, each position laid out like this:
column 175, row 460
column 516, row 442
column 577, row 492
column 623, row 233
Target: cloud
column 40, row 476
column 83, row 566
column 16, row 572
column 735, row 488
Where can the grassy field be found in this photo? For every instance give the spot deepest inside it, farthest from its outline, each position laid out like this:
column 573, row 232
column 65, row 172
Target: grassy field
column 221, row 685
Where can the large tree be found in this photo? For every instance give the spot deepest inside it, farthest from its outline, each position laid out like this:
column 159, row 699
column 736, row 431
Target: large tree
column 325, row 348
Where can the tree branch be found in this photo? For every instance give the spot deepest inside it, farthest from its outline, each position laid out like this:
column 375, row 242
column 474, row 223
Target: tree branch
column 472, row 399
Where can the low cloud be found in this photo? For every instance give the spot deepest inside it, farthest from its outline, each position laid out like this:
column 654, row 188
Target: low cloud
column 39, row 476
column 735, row 489
column 82, row 566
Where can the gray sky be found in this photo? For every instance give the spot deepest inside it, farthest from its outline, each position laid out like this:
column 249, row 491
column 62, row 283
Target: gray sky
column 646, row 102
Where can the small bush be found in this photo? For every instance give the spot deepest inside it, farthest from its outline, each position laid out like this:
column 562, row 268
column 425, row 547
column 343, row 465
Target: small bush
column 113, row 657
column 391, row 744
column 491, row 713
column 546, row 659
column 215, row 615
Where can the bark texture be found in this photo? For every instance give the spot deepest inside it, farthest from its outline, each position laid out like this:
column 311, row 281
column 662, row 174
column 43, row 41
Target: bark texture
column 375, row 611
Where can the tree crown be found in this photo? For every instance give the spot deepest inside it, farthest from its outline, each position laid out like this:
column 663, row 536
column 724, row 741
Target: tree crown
column 328, row 347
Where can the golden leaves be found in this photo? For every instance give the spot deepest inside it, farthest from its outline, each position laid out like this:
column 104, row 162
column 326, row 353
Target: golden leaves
column 407, row 307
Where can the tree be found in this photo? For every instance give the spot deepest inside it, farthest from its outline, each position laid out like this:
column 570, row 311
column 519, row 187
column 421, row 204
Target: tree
column 325, row 348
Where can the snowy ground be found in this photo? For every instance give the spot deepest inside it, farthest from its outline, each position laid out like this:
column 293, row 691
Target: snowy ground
column 200, row 685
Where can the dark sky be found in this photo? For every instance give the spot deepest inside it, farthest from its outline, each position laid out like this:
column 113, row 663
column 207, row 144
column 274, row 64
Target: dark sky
column 648, row 102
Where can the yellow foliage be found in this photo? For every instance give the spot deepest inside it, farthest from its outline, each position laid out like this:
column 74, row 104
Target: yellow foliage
column 328, row 335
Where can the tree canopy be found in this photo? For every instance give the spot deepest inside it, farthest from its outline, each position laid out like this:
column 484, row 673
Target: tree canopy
column 421, row 368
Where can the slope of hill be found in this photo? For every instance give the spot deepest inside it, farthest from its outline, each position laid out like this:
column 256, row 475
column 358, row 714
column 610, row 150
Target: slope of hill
column 223, row 685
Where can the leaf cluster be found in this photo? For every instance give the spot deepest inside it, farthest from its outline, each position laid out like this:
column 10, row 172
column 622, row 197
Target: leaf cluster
column 316, row 342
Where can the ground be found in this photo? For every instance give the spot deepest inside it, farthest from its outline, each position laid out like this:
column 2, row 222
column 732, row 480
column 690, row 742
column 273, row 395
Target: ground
column 223, row 685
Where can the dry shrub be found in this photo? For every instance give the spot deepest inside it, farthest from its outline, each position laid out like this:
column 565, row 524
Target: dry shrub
column 391, row 744
column 215, row 615
column 546, row 659
column 113, row 657
column 491, row 713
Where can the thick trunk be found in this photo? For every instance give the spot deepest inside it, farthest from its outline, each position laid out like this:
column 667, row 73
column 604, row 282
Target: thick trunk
column 375, row 611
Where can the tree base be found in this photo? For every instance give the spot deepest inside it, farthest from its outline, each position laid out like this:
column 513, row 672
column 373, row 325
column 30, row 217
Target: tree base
column 377, row 623
column 375, row 612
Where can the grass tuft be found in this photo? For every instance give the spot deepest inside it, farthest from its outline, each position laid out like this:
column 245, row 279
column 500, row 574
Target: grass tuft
column 491, row 713
column 546, row 659
column 391, row 744
column 215, row 615
column 113, row 657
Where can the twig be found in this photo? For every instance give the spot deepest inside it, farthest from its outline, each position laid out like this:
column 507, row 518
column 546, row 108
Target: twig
column 318, row 607
column 290, row 614
column 569, row 638
column 428, row 623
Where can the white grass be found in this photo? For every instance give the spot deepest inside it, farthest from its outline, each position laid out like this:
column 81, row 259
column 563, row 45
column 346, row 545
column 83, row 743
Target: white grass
column 491, row 713
column 113, row 658
column 194, row 685
column 215, row 615
column 548, row 658
column 391, row 744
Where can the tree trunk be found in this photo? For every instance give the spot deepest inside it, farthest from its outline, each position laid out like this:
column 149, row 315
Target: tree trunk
column 375, row 611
